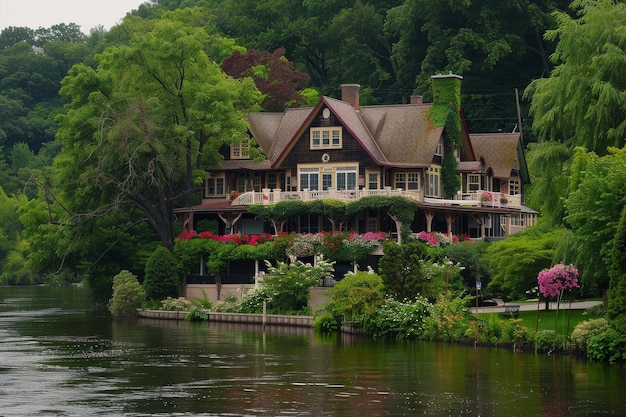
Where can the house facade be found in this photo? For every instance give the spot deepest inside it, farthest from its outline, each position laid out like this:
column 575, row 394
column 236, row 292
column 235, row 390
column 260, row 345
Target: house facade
column 341, row 150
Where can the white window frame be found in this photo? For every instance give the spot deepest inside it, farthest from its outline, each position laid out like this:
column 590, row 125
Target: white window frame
column 410, row 180
column 439, row 148
column 433, row 182
column 473, row 182
column 514, row 187
column 240, row 150
column 373, row 180
column 326, row 138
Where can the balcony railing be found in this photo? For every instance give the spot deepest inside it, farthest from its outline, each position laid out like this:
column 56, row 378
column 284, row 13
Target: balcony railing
column 268, row 196
column 474, row 199
column 480, row 198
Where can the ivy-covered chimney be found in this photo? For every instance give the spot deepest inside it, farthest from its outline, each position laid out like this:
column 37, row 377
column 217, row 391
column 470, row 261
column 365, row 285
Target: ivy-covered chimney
column 447, row 90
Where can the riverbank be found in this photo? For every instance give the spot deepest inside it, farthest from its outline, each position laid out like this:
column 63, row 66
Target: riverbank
column 264, row 319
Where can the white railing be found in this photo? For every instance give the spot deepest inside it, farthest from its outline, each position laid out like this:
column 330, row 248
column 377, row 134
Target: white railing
column 473, row 199
column 274, row 196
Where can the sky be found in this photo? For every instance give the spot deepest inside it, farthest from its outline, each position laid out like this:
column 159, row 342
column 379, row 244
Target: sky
column 46, row 13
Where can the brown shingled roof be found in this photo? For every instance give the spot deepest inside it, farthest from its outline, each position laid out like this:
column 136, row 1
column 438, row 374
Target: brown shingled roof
column 404, row 133
column 498, row 150
column 398, row 135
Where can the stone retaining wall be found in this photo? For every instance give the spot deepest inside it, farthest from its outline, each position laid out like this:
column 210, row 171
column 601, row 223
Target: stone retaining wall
column 269, row 319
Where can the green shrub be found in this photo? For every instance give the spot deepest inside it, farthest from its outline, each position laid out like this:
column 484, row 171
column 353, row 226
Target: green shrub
column 356, row 296
column 197, row 313
column 400, row 320
column 162, row 275
column 288, row 285
column 326, row 323
column 609, row 345
column 176, row 304
column 584, row 331
column 128, row 294
column 545, row 342
column 450, row 320
column 498, row 331
column 598, row 310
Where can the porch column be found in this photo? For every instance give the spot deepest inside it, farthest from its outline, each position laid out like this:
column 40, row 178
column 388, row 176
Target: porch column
column 482, row 226
column 276, row 194
column 266, row 196
column 450, row 218
column 229, row 222
column 429, row 220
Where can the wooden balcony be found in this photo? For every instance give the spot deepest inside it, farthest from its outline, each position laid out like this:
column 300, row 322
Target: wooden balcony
column 475, row 199
column 268, row 196
column 480, row 198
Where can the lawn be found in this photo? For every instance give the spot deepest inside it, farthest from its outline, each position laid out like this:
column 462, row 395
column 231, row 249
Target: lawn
column 546, row 319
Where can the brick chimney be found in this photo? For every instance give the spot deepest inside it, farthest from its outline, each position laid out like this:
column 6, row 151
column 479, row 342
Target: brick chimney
column 350, row 94
column 447, row 89
column 416, row 100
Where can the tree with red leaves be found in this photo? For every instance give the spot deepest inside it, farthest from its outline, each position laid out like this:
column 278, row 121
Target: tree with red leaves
column 273, row 75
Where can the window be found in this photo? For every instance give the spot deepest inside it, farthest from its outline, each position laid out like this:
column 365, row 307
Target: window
column 517, row 220
column 272, row 181
column 326, row 138
column 473, row 183
column 513, row 187
column 439, row 148
column 239, row 150
column 407, row 180
column 214, row 187
column 346, row 178
column 372, row 181
column 433, row 178
column 309, row 179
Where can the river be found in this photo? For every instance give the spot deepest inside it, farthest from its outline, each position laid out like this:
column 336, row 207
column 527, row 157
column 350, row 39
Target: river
column 60, row 358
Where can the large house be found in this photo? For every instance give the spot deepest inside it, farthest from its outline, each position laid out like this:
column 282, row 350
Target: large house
column 341, row 150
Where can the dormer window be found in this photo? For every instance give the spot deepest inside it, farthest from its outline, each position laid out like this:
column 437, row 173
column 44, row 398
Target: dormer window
column 326, row 138
column 239, row 150
column 439, row 148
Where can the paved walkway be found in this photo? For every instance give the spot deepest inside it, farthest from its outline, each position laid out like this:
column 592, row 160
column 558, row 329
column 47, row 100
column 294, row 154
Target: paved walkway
column 576, row 305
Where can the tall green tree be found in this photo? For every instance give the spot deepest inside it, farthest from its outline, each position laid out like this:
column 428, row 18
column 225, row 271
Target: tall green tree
column 593, row 210
column 583, row 102
column 616, row 309
column 139, row 128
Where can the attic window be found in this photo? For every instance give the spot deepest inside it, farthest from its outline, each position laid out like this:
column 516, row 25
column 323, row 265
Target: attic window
column 326, row 138
column 239, row 150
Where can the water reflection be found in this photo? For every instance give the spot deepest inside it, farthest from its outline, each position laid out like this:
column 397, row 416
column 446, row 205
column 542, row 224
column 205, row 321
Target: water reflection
column 58, row 357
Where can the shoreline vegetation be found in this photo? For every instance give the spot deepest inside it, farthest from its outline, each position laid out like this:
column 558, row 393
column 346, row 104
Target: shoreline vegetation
column 533, row 331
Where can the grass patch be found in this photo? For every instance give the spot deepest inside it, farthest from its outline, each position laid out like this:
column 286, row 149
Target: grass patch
column 546, row 319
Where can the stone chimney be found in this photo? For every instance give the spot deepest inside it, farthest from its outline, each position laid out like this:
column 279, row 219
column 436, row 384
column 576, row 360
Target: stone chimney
column 447, row 89
column 417, row 100
column 350, row 94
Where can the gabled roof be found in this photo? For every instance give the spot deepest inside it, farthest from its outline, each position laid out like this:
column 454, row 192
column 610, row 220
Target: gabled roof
column 396, row 135
column 404, row 133
column 497, row 150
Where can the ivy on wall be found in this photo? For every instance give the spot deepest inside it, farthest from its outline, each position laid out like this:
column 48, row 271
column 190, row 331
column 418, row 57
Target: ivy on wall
column 445, row 112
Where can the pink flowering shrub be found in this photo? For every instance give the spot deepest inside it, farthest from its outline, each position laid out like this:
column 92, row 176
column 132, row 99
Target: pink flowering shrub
column 557, row 279
column 235, row 239
column 437, row 238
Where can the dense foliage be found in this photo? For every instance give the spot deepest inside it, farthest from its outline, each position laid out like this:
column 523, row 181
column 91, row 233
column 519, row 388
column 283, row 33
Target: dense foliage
column 128, row 294
column 162, row 279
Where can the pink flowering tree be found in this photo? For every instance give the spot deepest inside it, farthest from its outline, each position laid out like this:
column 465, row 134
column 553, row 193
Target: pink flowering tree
column 553, row 282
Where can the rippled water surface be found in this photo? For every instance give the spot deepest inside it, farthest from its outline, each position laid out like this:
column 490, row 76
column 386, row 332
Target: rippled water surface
column 59, row 358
